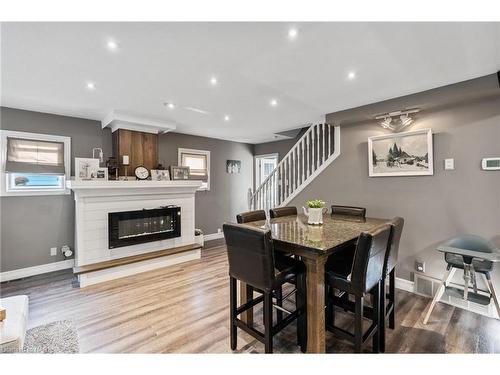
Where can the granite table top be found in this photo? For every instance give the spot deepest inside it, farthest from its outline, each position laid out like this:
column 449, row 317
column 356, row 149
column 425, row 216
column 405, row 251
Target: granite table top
column 336, row 231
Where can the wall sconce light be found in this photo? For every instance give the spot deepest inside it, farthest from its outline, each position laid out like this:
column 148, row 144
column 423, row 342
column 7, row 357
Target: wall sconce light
column 396, row 121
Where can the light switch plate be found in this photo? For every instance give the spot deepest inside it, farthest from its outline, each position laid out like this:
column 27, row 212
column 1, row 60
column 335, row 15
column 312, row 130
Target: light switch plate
column 449, row 164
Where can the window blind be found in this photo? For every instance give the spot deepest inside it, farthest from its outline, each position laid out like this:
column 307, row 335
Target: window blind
column 32, row 156
column 197, row 164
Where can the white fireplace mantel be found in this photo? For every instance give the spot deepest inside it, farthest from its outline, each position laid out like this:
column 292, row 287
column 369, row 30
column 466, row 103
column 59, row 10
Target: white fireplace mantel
column 94, row 200
column 95, row 188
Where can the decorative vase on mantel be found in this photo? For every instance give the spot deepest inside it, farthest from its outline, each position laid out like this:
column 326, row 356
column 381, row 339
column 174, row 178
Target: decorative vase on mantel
column 315, row 211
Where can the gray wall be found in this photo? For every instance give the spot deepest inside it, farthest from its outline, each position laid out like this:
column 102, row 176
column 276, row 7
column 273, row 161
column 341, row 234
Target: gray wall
column 465, row 200
column 30, row 226
column 228, row 192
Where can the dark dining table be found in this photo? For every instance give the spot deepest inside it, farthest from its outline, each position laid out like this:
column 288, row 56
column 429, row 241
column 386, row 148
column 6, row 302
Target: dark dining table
column 313, row 243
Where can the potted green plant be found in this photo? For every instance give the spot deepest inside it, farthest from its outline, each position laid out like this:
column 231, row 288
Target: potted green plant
column 314, row 212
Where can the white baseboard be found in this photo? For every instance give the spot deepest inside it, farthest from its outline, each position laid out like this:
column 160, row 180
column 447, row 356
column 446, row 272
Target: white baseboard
column 404, row 284
column 118, row 272
column 36, row 270
column 213, row 236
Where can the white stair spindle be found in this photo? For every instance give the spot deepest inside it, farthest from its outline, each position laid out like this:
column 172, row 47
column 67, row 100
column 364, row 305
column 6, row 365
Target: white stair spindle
column 324, row 142
column 308, row 159
column 303, row 143
column 329, row 140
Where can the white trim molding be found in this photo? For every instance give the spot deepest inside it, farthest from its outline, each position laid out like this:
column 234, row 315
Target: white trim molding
column 205, row 185
column 406, row 285
column 213, row 236
column 36, row 270
column 4, row 191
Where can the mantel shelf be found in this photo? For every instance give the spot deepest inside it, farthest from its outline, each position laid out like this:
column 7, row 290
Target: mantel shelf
column 92, row 184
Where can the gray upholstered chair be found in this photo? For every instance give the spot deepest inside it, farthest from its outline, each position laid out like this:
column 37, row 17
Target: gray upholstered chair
column 472, row 254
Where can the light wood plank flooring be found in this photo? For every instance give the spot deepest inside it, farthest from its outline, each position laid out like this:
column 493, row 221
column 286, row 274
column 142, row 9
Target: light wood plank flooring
column 185, row 309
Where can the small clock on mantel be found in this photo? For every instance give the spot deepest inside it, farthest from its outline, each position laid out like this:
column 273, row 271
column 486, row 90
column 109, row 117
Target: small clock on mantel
column 141, row 172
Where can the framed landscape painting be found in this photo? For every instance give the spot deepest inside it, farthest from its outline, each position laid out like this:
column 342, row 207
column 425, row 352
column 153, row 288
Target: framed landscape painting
column 401, row 154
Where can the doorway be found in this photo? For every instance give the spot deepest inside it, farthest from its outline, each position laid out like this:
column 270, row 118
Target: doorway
column 264, row 165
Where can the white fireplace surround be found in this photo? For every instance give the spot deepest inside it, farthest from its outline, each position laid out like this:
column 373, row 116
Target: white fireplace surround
column 95, row 199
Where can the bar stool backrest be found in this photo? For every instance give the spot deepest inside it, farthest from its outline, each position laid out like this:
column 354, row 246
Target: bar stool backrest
column 283, row 211
column 392, row 255
column 348, row 211
column 369, row 258
column 250, row 253
column 246, row 217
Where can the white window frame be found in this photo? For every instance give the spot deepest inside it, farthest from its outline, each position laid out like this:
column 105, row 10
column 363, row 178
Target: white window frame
column 4, row 176
column 205, row 185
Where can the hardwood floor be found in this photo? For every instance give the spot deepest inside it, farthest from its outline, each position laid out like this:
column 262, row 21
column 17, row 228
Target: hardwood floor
column 185, row 309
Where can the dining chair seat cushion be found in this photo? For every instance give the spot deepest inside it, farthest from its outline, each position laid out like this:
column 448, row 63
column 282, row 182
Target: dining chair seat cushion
column 341, row 261
column 340, row 281
column 287, row 269
column 480, row 265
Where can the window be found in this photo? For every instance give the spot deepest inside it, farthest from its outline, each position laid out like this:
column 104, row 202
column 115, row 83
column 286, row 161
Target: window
column 34, row 164
column 198, row 162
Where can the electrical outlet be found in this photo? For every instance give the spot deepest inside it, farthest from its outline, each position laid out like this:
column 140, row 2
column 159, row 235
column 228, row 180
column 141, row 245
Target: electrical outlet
column 219, row 230
column 53, row 251
column 419, row 266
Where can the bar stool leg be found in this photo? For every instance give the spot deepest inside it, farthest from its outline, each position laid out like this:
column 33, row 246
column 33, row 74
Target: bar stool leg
column 358, row 324
column 376, row 317
column 232, row 307
column 279, row 302
column 268, row 322
column 382, row 317
column 392, row 298
column 492, row 292
column 447, row 277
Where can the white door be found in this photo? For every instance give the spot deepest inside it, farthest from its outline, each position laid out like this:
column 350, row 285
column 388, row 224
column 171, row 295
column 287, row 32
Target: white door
column 264, row 165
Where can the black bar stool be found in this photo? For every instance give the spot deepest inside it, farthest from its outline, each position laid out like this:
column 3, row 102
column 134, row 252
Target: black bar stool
column 246, row 217
column 365, row 277
column 348, row 211
column 390, row 271
column 283, row 211
column 252, row 260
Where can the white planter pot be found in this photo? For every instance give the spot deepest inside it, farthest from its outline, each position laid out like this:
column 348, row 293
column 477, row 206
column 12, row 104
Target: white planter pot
column 314, row 215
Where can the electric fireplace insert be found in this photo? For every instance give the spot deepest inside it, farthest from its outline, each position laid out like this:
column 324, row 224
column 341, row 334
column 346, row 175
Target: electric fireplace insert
column 134, row 227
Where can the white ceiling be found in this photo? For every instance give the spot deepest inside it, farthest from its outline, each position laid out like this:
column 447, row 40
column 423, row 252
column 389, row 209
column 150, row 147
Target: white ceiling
column 45, row 67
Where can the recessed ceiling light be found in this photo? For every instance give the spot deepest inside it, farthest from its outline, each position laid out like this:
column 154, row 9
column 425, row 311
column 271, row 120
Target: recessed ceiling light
column 112, row 45
column 227, row 118
column 292, row 33
column 213, row 81
column 90, row 85
column 273, row 102
column 169, row 105
column 351, row 75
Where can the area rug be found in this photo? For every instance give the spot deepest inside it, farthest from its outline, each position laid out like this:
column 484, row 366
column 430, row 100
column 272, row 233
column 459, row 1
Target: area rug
column 55, row 337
